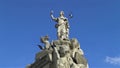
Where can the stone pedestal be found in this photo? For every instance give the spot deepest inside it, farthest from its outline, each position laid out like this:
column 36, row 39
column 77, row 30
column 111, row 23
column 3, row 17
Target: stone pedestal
column 61, row 54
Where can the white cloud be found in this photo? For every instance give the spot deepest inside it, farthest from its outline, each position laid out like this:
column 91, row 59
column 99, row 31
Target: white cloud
column 113, row 60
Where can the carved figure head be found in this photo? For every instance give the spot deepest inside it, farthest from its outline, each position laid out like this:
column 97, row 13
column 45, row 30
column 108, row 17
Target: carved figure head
column 61, row 13
column 63, row 50
column 43, row 39
column 74, row 43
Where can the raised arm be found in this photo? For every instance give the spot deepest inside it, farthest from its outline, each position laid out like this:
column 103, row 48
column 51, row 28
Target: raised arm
column 53, row 18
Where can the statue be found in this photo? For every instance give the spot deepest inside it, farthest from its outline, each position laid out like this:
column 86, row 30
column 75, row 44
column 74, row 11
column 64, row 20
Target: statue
column 45, row 41
column 62, row 26
column 60, row 53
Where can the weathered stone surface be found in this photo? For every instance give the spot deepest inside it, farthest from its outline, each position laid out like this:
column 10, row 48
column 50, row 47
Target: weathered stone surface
column 61, row 54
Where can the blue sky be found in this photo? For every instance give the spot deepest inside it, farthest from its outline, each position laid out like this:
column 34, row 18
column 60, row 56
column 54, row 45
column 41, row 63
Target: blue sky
column 95, row 24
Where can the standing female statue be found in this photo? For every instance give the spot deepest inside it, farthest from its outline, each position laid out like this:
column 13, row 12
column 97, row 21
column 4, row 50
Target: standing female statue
column 62, row 26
